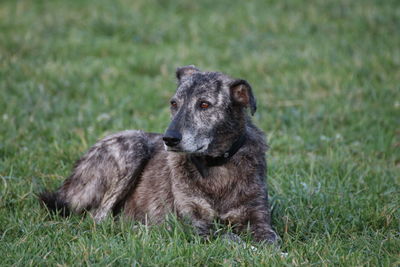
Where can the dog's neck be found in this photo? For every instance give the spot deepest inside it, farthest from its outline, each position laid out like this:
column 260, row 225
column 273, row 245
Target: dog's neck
column 202, row 163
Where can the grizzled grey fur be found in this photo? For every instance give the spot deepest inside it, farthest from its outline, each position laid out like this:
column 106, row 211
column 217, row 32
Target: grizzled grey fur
column 147, row 176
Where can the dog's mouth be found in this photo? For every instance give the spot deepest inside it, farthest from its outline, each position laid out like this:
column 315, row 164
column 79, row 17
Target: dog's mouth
column 200, row 149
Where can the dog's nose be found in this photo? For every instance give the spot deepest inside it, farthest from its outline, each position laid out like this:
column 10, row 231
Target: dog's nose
column 172, row 138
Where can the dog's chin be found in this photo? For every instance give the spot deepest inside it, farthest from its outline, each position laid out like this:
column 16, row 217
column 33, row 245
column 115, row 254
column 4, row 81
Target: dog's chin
column 176, row 149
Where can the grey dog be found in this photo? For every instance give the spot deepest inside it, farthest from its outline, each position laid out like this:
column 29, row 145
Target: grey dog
column 209, row 165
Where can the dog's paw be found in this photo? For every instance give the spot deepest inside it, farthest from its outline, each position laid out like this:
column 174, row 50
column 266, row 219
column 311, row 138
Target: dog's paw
column 268, row 236
column 272, row 237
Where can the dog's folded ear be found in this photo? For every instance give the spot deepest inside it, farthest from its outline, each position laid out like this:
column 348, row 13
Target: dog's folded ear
column 185, row 71
column 241, row 93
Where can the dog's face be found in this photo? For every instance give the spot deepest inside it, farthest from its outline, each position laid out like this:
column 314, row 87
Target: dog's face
column 207, row 112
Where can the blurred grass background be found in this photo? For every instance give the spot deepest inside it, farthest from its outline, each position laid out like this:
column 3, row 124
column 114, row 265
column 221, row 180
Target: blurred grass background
column 326, row 77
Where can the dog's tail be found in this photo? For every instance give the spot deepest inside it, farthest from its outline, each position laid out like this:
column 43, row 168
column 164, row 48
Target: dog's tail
column 53, row 203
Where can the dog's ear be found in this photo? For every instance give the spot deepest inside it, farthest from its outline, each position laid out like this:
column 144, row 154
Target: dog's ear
column 185, row 71
column 242, row 94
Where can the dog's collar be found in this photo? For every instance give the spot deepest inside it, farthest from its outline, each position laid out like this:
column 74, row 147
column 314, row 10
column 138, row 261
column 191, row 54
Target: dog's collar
column 202, row 163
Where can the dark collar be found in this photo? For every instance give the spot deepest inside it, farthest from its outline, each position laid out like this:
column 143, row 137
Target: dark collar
column 202, row 163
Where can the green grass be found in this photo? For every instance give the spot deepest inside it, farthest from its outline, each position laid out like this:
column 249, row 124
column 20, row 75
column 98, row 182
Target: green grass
column 326, row 75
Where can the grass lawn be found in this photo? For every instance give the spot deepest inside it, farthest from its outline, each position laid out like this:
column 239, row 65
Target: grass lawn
column 326, row 75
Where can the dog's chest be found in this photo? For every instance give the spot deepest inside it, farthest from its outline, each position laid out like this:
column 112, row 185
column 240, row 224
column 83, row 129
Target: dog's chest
column 208, row 197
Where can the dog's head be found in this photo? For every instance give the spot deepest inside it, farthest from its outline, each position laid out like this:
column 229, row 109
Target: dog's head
column 208, row 112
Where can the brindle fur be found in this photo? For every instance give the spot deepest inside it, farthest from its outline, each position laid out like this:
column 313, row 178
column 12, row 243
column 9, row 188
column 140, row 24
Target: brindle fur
column 137, row 173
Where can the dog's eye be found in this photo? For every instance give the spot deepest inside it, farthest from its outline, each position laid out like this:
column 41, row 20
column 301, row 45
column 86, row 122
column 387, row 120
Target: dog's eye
column 204, row 105
column 174, row 104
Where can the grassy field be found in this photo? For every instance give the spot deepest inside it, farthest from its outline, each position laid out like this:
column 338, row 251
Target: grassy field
column 326, row 76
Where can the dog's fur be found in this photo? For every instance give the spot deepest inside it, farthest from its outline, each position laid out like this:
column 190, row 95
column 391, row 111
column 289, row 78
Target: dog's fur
column 211, row 165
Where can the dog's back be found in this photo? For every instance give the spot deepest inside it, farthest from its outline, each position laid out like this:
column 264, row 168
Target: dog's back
column 209, row 165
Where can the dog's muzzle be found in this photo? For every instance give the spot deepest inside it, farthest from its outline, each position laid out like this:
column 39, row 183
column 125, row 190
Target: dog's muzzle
column 172, row 138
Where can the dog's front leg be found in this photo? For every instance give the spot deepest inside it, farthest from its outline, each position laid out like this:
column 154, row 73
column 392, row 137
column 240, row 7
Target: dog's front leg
column 260, row 227
column 203, row 227
column 197, row 212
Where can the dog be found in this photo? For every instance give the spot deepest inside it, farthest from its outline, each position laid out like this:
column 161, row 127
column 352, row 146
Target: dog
column 209, row 164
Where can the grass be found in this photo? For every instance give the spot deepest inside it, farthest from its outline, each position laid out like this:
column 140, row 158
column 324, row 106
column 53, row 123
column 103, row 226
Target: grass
column 326, row 76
